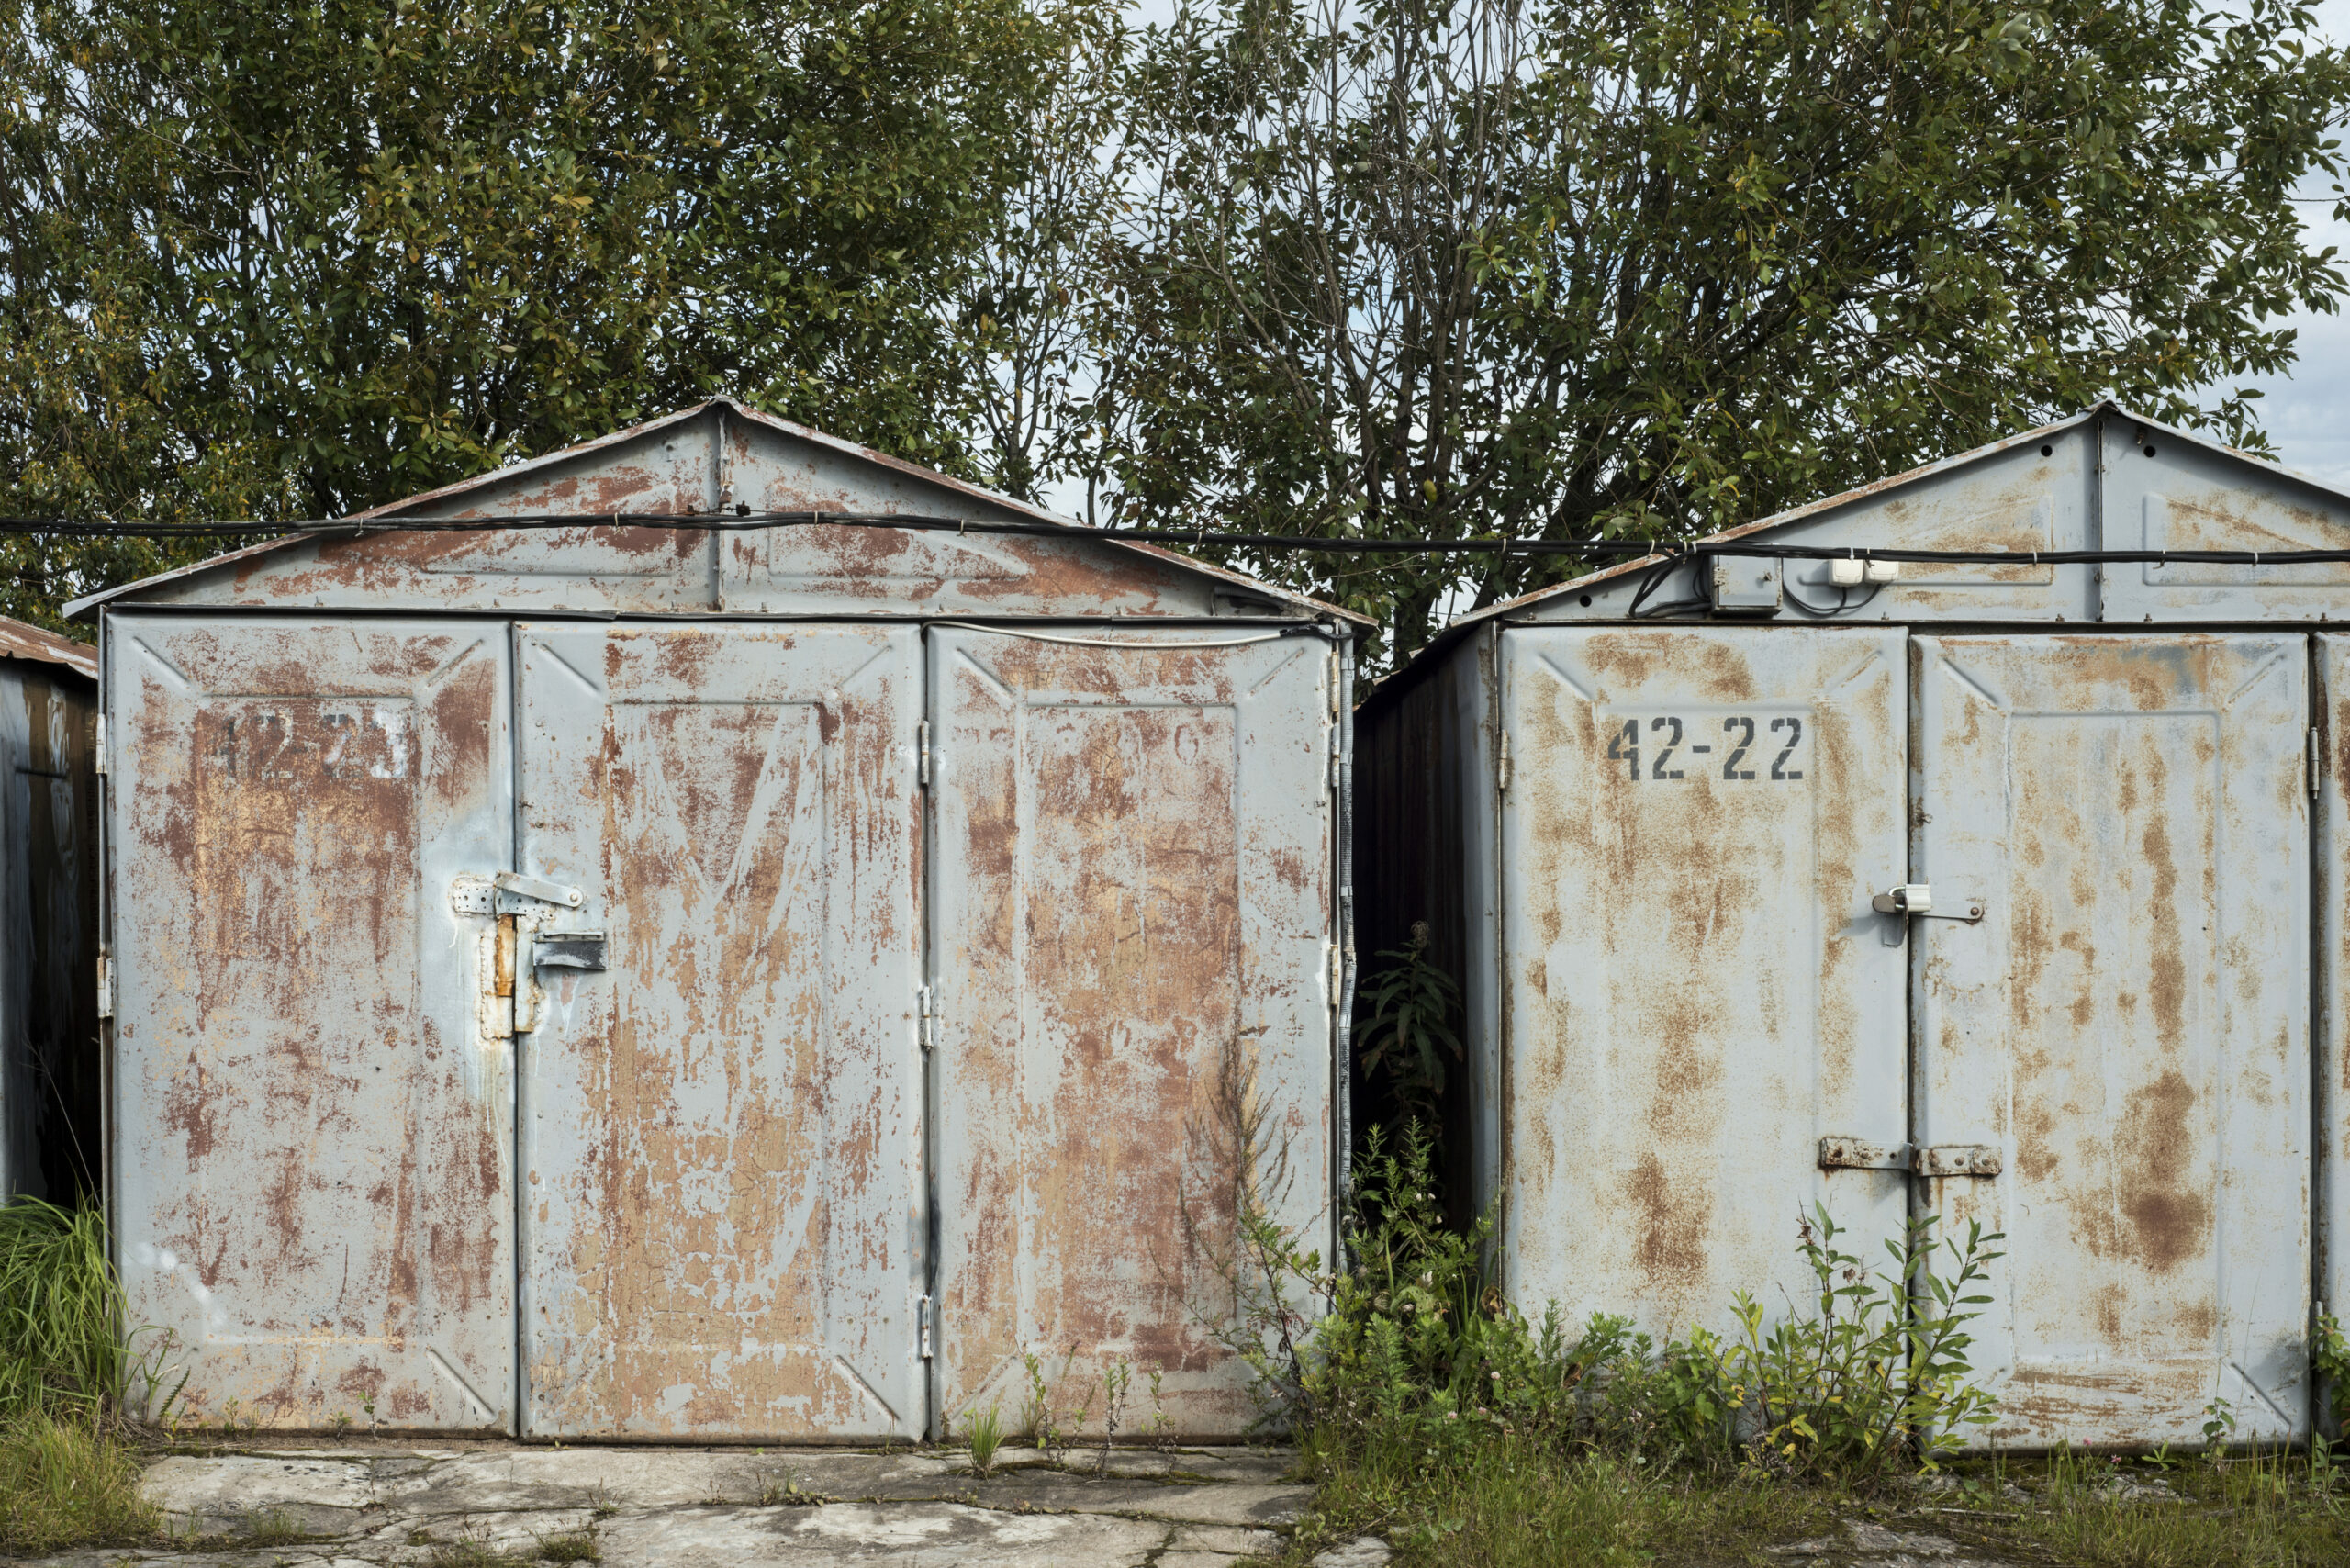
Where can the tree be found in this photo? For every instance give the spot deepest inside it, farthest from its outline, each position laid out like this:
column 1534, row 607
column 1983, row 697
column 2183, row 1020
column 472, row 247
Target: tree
column 1029, row 319
column 262, row 258
column 1450, row 268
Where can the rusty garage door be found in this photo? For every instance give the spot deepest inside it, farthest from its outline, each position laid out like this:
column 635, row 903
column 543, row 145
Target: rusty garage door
column 312, row 1125
column 1132, row 885
column 1701, row 998
column 722, row 1081
column 2126, row 1028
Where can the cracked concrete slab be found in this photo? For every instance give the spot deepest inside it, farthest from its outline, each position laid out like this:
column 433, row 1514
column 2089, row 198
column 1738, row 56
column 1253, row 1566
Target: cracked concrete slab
column 377, row 1504
column 902, row 1535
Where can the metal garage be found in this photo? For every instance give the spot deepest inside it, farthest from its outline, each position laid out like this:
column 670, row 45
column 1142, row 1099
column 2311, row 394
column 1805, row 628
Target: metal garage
column 753, row 982
column 2005, row 888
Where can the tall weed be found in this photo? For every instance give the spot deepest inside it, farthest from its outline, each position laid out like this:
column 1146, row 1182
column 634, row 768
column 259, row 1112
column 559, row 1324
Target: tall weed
column 63, row 1345
column 1413, row 1346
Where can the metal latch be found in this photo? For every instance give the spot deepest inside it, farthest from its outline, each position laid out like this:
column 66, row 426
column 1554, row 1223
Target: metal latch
column 1935, row 1160
column 1958, row 1159
column 1856, row 1154
column 568, row 949
column 517, row 893
column 1917, row 899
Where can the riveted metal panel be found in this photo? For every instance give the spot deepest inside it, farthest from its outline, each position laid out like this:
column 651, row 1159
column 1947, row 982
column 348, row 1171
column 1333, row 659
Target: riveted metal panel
column 1697, row 990
column 721, row 1133
column 311, row 1128
column 2166, row 492
column 1133, row 961
column 2127, row 1026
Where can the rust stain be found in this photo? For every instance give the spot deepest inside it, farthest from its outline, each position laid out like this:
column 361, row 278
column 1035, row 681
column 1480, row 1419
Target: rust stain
column 2162, row 1195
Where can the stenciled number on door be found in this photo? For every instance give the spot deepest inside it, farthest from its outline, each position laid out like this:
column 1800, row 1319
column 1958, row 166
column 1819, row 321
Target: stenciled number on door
column 1670, row 739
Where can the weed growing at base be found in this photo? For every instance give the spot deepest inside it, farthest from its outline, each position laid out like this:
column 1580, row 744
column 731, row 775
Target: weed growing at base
column 1433, row 1413
column 66, row 1479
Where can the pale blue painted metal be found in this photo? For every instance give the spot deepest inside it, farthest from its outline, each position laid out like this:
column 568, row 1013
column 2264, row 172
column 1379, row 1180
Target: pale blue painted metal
column 704, row 763
column 1697, row 991
column 2158, row 1263
column 2128, row 1024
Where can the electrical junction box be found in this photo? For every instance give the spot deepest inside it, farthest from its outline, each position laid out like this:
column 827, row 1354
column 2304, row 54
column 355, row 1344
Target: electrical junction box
column 1745, row 586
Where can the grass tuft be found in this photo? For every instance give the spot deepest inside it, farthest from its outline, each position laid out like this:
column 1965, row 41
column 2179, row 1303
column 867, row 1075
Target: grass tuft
column 571, row 1546
column 63, row 1345
column 985, row 1430
column 68, row 1481
column 471, row 1554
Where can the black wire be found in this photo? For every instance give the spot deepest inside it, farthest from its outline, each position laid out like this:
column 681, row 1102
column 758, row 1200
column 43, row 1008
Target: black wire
column 1656, row 577
column 744, row 520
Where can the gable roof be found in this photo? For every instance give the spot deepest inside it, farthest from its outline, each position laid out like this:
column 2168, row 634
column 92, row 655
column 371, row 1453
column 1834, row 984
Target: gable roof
column 718, row 455
column 1782, row 521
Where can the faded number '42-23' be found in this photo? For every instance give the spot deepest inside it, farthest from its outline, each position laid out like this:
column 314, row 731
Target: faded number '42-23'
column 1667, row 735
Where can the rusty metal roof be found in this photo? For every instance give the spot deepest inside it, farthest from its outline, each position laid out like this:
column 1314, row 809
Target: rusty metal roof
column 19, row 641
column 719, row 454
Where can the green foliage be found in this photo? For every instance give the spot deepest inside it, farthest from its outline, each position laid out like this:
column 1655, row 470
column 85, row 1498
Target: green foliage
column 1582, row 267
column 2330, row 1363
column 294, row 259
column 65, row 1481
column 1406, row 1027
column 570, row 1546
column 1519, row 1502
column 1876, row 1375
column 63, row 1342
column 1416, row 1347
column 984, row 1429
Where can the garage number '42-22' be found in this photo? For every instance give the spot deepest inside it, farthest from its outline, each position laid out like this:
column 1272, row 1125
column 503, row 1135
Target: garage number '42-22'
column 1667, row 737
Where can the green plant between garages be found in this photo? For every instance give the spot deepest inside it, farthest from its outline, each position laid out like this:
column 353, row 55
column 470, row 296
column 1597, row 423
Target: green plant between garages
column 1406, row 1028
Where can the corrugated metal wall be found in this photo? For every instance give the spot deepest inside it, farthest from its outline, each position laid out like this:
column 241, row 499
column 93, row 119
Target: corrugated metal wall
column 50, row 1089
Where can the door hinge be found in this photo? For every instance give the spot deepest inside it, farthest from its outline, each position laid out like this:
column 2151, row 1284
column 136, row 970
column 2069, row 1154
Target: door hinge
column 1502, row 773
column 922, row 1319
column 927, row 1038
column 922, row 755
column 106, row 985
column 98, row 744
column 1337, row 962
column 1337, row 758
column 2312, row 762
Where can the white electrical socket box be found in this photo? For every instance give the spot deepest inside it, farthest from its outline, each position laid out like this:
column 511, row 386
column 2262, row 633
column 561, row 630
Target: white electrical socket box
column 1845, row 573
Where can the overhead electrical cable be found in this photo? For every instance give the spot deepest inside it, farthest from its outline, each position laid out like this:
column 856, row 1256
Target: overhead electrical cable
column 743, row 521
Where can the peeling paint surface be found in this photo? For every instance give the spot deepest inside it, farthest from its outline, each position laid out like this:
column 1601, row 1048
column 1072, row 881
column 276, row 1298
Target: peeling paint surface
column 1132, row 899
column 312, row 1149
column 2128, row 1022
column 722, row 1206
column 1696, row 989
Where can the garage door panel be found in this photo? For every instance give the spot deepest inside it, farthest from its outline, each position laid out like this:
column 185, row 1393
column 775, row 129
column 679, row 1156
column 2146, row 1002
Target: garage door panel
column 314, row 1158
column 2127, row 1026
column 1693, row 825
column 1131, row 908
column 722, row 1130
